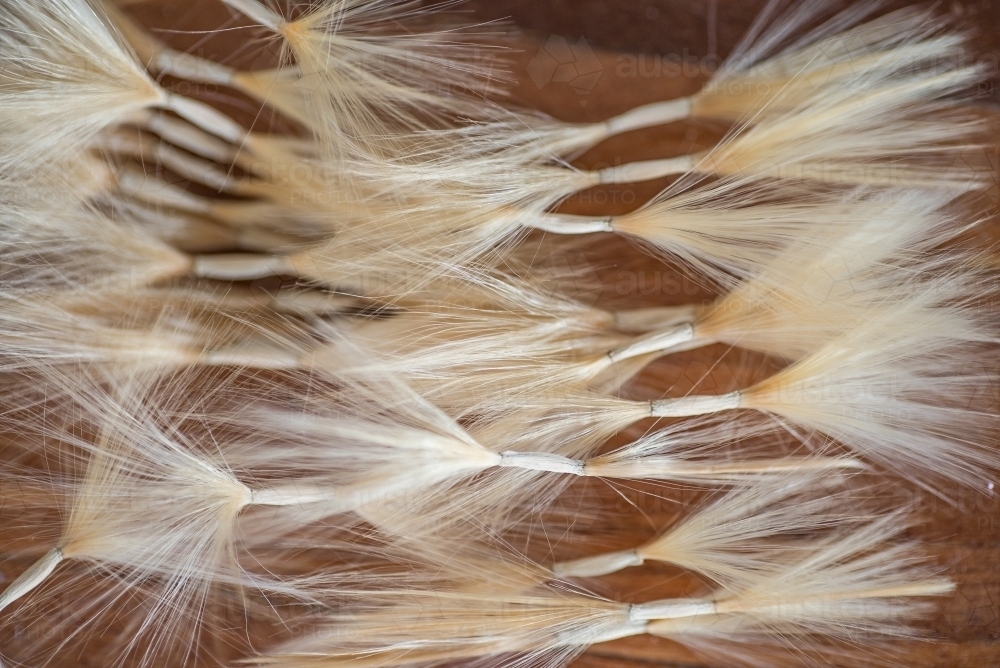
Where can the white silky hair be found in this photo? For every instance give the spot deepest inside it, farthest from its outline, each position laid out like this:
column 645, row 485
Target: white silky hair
column 737, row 536
column 621, row 413
column 738, row 227
column 796, row 305
column 777, row 55
column 905, row 388
column 79, row 248
column 799, row 145
column 157, row 516
column 820, row 287
column 436, row 161
column 835, row 588
column 63, row 71
column 421, row 397
column 70, row 76
column 675, row 222
column 880, row 388
column 46, row 331
column 144, row 507
column 430, row 477
column 360, row 73
column 777, row 66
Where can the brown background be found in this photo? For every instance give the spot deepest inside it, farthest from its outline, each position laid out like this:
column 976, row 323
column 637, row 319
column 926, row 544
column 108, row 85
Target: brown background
column 964, row 534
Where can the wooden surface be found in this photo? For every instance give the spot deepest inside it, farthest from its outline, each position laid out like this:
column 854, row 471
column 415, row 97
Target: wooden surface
column 636, row 46
column 635, row 43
